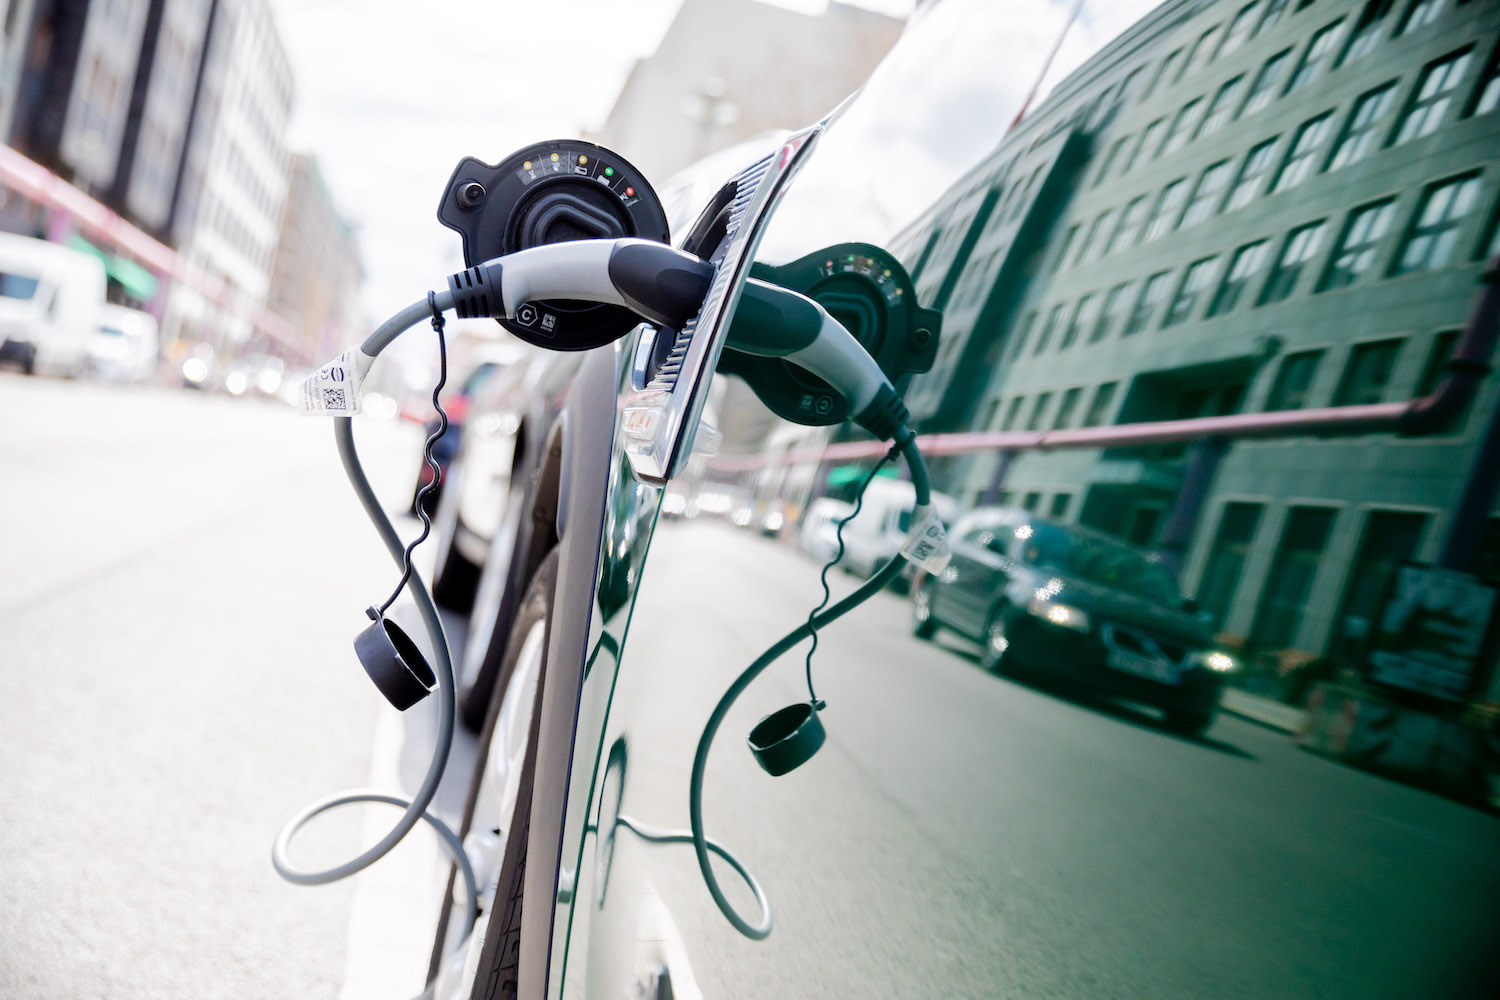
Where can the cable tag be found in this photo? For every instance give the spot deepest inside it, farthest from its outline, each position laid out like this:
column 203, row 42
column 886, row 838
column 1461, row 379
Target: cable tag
column 927, row 542
column 334, row 388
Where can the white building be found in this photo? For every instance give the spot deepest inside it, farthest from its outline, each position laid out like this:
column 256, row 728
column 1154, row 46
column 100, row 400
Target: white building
column 727, row 70
column 235, row 181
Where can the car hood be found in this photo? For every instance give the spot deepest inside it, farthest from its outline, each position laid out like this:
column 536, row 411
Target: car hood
column 1106, row 604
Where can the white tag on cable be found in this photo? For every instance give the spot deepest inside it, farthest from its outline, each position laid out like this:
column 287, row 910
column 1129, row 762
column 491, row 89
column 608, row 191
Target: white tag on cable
column 927, row 542
column 334, row 388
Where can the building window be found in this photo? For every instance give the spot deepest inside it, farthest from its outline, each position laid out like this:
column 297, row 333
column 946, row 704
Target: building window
column 1109, row 159
column 1060, row 501
column 1359, row 131
column 1031, row 502
column 1257, row 164
column 1149, row 136
column 1434, row 228
column 1300, row 155
column 1418, row 14
column 1182, row 127
column 1300, row 247
column 1130, row 223
column 1038, row 410
column 1429, row 101
column 1366, row 31
column 1489, row 245
column 1222, row 108
column 1076, row 322
column 1239, row 29
column 1194, row 283
column 1021, row 332
column 1319, row 53
column 1368, row 373
column 1092, row 243
column 1203, row 51
column 1226, row 559
column 1161, row 74
column 1012, row 413
column 1284, row 599
column 1048, row 328
column 1243, row 267
column 1293, row 379
column 1067, row 248
column 1274, row 10
column 1389, row 538
column 1487, row 94
column 1437, row 361
column 1266, row 81
column 1114, row 304
column 1152, row 293
column 1099, row 405
column 1206, row 194
column 1065, row 409
column 1168, row 204
column 1355, row 252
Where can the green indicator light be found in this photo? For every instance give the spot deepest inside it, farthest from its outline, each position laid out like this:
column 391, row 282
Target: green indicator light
column 609, row 171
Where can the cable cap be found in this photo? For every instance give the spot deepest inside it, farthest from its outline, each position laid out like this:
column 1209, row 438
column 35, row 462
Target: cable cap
column 394, row 662
column 787, row 739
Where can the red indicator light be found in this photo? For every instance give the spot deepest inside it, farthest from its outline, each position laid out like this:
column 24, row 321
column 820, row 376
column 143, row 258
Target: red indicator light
column 630, row 192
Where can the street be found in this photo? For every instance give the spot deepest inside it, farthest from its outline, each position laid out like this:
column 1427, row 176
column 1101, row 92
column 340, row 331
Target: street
column 184, row 575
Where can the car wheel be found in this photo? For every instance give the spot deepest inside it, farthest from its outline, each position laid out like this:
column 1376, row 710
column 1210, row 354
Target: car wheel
column 923, row 624
column 496, row 595
column 454, row 577
column 1187, row 723
column 996, row 655
column 498, row 808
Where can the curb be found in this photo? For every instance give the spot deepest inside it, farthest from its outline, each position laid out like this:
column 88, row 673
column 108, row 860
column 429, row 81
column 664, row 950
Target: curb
column 1262, row 711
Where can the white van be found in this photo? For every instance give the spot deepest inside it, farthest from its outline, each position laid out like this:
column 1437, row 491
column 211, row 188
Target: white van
column 123, row 347
column 879, row 530
column 50, row 297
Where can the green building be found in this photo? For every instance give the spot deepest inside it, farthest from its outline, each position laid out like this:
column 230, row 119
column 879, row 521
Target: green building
column 1234, row 207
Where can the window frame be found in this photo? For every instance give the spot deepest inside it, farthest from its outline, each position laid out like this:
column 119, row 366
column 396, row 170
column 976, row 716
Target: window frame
column 1332, row 276
column 1232, row 286
column 1275, row 290
column 1201, row 271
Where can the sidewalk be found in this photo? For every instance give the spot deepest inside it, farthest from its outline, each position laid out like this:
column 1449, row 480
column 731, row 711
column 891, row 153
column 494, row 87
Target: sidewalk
column 1262, row 710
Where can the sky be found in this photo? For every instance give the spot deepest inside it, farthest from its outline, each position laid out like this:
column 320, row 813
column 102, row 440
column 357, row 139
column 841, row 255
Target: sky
column 390, row 95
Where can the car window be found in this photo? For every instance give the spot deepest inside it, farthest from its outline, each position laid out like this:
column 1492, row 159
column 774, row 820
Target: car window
column 17, row 286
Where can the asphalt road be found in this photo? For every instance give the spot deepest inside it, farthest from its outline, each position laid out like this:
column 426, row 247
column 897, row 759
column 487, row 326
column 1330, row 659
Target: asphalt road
column 183, row 576
column 962, row 835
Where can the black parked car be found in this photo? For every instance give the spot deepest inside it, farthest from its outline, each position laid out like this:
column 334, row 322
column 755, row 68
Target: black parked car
column 1071, row 604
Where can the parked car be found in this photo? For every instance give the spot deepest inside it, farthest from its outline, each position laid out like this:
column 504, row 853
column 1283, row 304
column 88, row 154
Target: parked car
column 1064, row 603
column 50, row 302
column 457, row 406
column 123, row 347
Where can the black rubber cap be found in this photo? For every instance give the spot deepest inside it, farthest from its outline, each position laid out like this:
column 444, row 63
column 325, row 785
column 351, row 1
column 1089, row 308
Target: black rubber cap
column 787, row 739
column 394, row 663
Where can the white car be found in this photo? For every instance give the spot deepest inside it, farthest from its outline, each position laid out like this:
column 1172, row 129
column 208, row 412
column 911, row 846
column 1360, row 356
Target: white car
column 124, row 345
column 50, row 297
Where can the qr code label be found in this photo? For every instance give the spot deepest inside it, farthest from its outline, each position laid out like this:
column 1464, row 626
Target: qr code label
column 927, row 542
column 334, row 388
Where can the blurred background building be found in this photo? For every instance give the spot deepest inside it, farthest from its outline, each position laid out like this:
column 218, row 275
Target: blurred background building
column 153, row 133
column 315, row 274
column 1235, row 207
column 727, row 70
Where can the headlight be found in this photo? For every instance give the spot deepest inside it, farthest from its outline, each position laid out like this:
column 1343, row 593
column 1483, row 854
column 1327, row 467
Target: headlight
column 1221, row 663
column 1059, row 614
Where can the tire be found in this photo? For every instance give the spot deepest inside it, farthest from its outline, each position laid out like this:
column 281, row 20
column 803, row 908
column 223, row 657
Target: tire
column 501, row 586
column 454, row 577
column 1187, row 723
column 995, row 653
column 499, row 957
column 924, row 623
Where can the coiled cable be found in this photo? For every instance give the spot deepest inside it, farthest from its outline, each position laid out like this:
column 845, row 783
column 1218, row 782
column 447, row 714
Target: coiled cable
column 415, row 808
